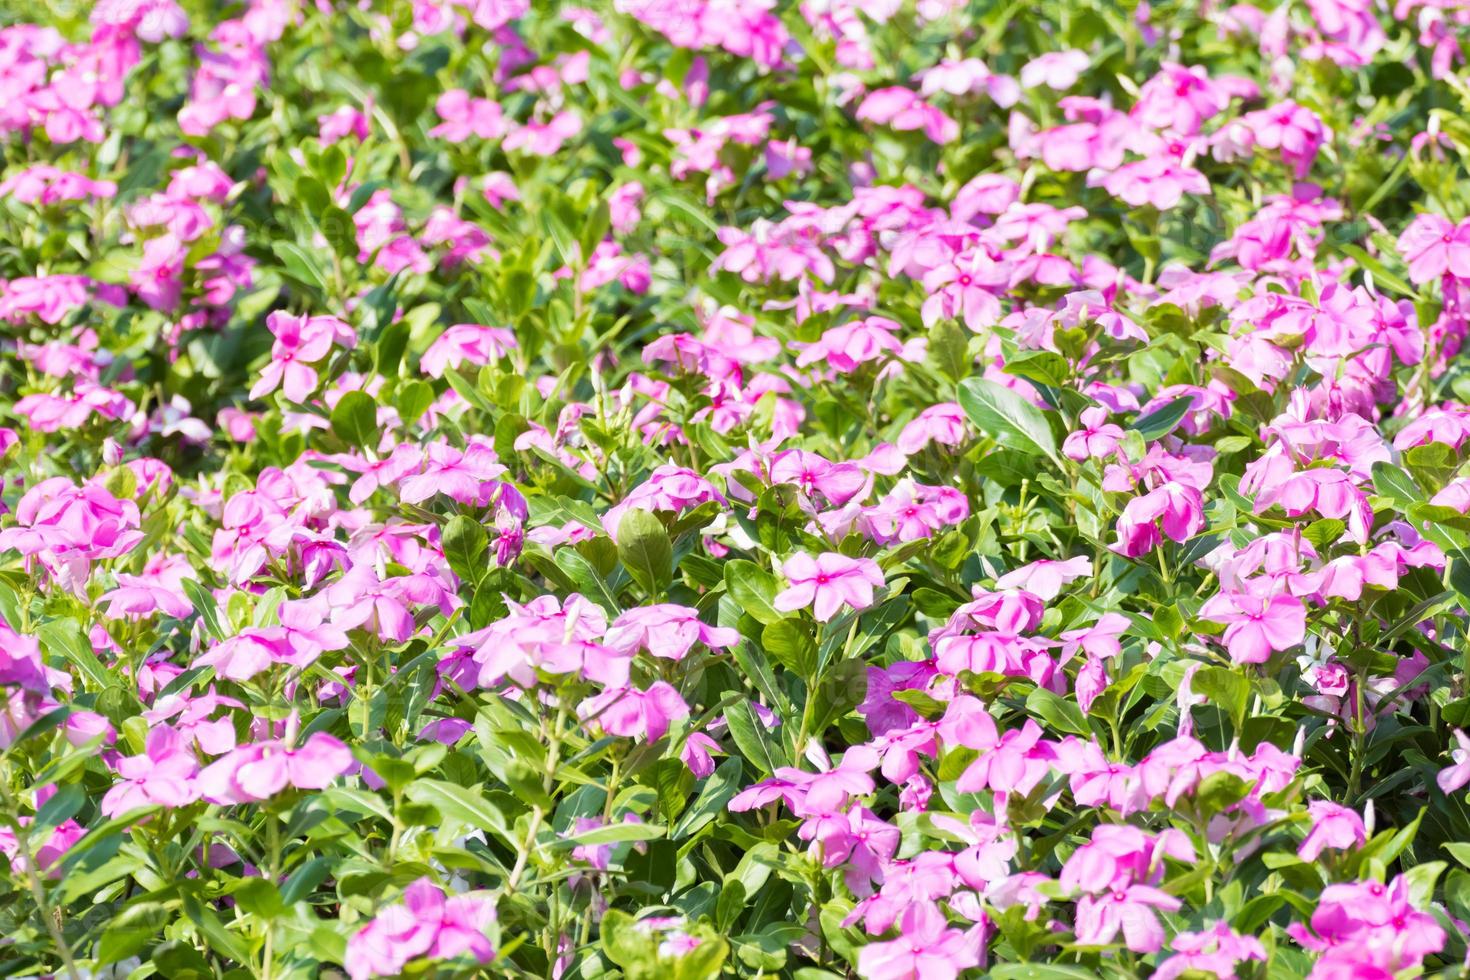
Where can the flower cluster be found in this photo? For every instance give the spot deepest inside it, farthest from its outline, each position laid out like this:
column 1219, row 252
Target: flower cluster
column 903, row 489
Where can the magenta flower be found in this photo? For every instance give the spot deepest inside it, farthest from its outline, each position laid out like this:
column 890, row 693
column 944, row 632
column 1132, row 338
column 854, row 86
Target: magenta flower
column 667, row 631
column 465, row 117
column 163, row 776
column 632, row 713
column 1332, row 826
column 427, row 925
column 254, row 773
column 1433, row 248
column 1046, row 578
column 828, row 582
column 1257, row 624
column 1096, row 439
column 1057, row 70
column 926, row 948
column 300, row 341
column 1456, row 775
column 466, row 342
column 1129, row 909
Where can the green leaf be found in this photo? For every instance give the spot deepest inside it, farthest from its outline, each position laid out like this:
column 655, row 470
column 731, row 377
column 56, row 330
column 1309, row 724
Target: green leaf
column 1039, row 971
column 62, row 806
column 1007, row 418
column 1325, row 532
column 1225, row 689
column 1062, row 715
column 1394, row 483
column 751, row 738
column 305, row 879
column 613, row 833
column 355, row 420
column 949, row 346
column 300, row 264
column 1432, row 464
column 790, row 643
column 645, row 550
column 258, row 897
column 1421, row 879
column 414, row 399
column 64, row 636
column 340, row 232
column 1162, row 420
column 754, row 589
column 465, row 548
column 206, row 607
column 721, row 785
column 1044, row 366
column 1381, row 275
column 1219, row 791
column 465, row 805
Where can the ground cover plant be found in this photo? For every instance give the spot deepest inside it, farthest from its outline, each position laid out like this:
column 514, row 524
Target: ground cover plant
column 678, row 489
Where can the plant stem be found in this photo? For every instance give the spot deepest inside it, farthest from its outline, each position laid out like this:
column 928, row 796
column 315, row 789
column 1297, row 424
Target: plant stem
column 33, row 880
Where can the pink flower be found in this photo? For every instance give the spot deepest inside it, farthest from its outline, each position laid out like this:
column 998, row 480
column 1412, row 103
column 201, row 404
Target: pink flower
column 1097, row 439
column 1057, row 70
column 1332, row 826
column 1046, row 578
column 1329, row 492
column 49, row 849
column 903, row 109
column 1258, row 624
column 343, row 122
column 465, row 117
column 828, row 582
column 962, row 288
column 1129, row 909
column 238, row 426
column 300, row 341
column 1161, row 181
column 544, row 139
column 158, row 589
column 1213, row 951
column 466, row 342
column 253, row 773
column 470, row 476
column 943, row 423
column 1433, row 247
column 632, row 713
column 426, row 925
column 1295, row 131
column 667, row 631
column 163, row 776
column 1456, row 775
column 668, row 488
column 837, row 483
column 926, row 948
column 1176, row 507
column 1016, row 764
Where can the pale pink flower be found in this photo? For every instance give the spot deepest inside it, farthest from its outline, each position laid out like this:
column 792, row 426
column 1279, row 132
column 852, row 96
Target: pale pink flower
column 828, row 582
